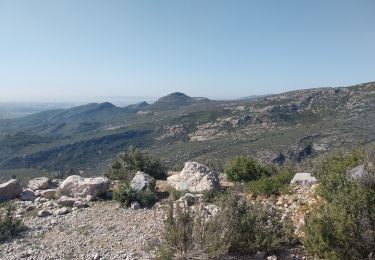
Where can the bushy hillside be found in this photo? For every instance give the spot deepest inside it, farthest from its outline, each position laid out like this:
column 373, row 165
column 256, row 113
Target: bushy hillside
column 178, row 128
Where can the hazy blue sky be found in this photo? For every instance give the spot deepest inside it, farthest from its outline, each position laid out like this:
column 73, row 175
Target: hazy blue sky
column 82, row 49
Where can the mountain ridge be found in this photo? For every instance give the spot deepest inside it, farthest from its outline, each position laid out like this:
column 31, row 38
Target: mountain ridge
column 180, row 128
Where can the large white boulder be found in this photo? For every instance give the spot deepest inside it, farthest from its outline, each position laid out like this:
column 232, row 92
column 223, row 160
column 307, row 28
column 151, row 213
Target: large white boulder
column 77, row 186
column 194, row 177
column 10, row 190
column 41, row 183
column 303, row 178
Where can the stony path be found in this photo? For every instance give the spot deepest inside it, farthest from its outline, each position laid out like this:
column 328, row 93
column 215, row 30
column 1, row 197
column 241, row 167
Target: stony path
column 102, row 231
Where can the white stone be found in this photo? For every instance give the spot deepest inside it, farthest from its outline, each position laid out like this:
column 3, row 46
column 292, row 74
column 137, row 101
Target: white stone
column 39, row 183
column 10, row 190
column 135, row 205
column 80, row 204
column 62, row 211
column 77, row 186
column 48, row 194
column 140, row 181
column 66, row 201
column 44, row 213
column 195, row 177
column 303, row 178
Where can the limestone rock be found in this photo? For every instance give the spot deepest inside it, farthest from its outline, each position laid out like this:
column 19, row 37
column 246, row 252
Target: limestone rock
column 28, row 195
column 48, row 194
column 66, row 201
column 135, row 205
column 141, row 181
column 44, row 213
column 39, row 183
column 194, row 177
column 56, row 182
column 62, row 211
column 303, row 178
column 10, row 190
column 361, row 174
column 80, row 204
column 77, row 186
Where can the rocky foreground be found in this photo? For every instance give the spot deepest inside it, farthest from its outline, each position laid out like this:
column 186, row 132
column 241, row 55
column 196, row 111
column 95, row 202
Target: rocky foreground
column 102, row 231
column 75, row 219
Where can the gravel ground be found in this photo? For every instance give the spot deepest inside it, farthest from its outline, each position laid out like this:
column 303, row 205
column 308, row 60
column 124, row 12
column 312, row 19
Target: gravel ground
column 103, row 231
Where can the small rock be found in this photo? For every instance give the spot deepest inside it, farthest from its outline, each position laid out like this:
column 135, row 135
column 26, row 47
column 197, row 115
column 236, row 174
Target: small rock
column 141, row 181
column 272, row 257
column 44, row 213
column 62, row 211
column 80, row 204
column 66, row 201
column 90, row 198
column 303, row 178
column 48, row 194
column 96, row 257
column 39, row 183
column 28, row 195
column 135, row 205
column 260, row 255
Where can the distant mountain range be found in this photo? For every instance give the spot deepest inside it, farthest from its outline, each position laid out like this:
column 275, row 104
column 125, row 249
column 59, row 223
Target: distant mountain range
column 287, row 126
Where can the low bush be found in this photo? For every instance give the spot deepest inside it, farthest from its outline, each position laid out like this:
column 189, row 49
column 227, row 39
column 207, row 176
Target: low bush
column 9, row 226
column 214, row 195
column 270, row 185
column 175, row 194
column 258, row 227
column 187, row 234
column 244, row 168
column 244, row 228
column 126, row 195
column 127, row 164
column 343, row 227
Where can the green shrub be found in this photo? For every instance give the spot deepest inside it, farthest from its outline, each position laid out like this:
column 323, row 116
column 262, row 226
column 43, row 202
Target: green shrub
column 332, row 172
column 273, row 185
column 187, row 234
column 344, row 226
column 9, row 226
column 212, row 196
column 244, row 168
column 244, row 228
column 175, row 194
column 127, row 164
column 126, row 195
column 146, row 198
column 257, row 227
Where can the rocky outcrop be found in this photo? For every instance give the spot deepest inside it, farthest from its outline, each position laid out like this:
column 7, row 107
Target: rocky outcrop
column 141, row 181
column 41, row 183
column 194, row 177
column 303, row 178
column 77, row 186
column 10, row 190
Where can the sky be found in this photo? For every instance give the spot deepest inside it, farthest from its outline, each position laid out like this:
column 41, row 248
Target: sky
column 69, row 50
